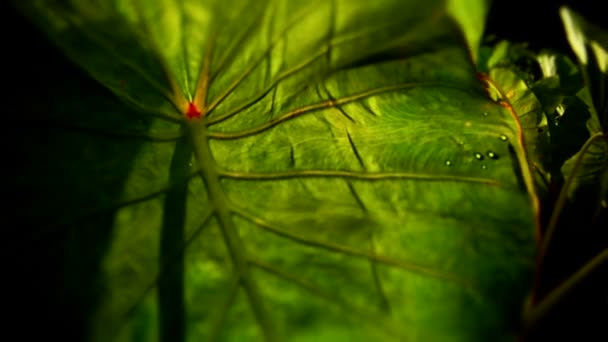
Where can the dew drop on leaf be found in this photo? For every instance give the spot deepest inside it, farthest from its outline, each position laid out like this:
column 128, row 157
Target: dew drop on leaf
column 503, row 137
column 448, row 163
column 478, row 156
column 483, row 167
column 492, row 155
column 485, row 113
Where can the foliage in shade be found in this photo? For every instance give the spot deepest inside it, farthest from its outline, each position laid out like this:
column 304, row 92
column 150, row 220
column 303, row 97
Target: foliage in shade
column 590, row 44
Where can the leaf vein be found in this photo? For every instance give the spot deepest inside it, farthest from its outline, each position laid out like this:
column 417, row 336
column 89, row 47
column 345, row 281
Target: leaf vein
column 338, row 248
column 322, row 105
column 371, row 176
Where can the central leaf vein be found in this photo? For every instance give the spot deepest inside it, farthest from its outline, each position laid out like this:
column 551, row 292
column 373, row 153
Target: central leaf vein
column 234, row 243
column 371, row 176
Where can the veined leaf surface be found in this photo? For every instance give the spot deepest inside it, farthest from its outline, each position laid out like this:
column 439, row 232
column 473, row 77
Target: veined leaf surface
column 309, row 171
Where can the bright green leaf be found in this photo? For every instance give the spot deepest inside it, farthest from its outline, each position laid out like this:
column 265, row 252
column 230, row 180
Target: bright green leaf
column 349, row 179
column 470, row 15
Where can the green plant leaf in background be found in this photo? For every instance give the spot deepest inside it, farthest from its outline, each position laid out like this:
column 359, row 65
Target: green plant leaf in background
column 545, row 90
column 569, row 291
column 589, row 167
column 565, row 112
column 578, row 215
column 285, row 170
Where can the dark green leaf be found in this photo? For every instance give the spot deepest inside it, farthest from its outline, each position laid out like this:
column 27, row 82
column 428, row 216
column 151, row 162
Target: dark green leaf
column 589, row 167
column 590, row 44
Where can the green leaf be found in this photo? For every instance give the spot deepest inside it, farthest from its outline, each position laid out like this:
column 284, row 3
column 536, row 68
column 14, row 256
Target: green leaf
column 348, row 178
column 561, row 80
column 590, row 44
column 566, row 117
column 470, row 16
column 588, row 168
column 506, row 83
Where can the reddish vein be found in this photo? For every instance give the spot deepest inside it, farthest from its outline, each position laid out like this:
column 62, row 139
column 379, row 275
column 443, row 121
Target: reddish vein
column 523, row 156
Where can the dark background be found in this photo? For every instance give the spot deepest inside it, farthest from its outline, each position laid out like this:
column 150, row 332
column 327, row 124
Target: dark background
column 31, row 64
column 537, row 21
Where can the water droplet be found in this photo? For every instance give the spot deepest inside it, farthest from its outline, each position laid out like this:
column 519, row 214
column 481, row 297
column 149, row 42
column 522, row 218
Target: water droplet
column 448, row 163
column 492, row 155
column 478, row 156
column 483, row 167
column 189, row 164
column 485, row 113
column 503, row 137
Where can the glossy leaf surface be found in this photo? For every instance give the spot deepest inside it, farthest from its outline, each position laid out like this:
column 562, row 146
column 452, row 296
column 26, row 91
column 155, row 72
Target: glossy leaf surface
column 348, row 177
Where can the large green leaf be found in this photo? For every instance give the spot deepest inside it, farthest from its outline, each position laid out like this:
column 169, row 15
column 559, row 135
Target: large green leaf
column 295, row 171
